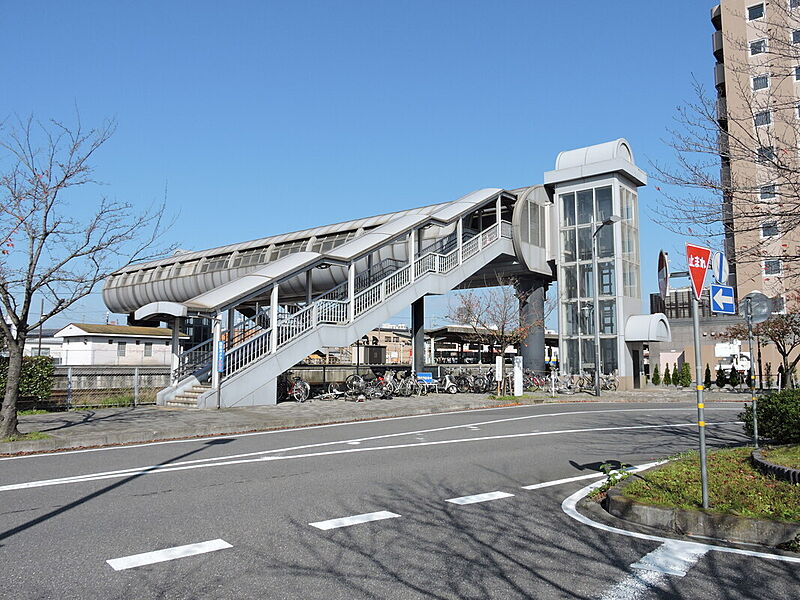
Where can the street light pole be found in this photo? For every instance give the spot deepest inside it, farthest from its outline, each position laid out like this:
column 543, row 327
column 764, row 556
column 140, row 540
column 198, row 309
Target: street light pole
column 596, row 300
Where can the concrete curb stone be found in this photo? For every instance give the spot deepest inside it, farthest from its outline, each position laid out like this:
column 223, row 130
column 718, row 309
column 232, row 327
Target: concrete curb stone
column 778, row 471
column 722, row 526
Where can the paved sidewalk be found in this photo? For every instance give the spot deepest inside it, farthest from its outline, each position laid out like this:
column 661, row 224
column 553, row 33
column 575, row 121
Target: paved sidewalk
column 108, row 426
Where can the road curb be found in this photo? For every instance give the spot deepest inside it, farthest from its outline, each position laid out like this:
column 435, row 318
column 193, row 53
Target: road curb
column 778, row 471
column 56, row 443
column 721, row 526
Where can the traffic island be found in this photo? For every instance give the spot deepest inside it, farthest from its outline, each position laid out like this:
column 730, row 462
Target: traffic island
column 746, row 506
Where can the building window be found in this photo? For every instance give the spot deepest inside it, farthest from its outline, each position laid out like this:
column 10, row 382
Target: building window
column 794, row 3
column 796, row 36
column 797, row 73
column 765, row 154
column 763, row 118
column 760, row 82
column 769, row 229
column 148, row 348
column 779, row 305
column 772, row 266
column 755, row 12
column 767, row 192
column 758, row 47
column 121, row 348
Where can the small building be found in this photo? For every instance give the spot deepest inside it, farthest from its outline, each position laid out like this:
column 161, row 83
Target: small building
column 91, row 344
column 44, row 342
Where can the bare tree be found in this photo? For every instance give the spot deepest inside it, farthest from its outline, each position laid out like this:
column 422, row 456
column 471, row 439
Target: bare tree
column 781, row 330
column 737, row 168
column 47, row 249
column 493, row 314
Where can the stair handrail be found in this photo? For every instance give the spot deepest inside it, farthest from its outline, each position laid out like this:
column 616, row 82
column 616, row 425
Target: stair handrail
column 293, row 326
column 197, row 358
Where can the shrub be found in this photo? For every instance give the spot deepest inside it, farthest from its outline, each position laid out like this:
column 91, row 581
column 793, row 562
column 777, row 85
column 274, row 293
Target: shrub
column 778, row 417
column 656, row 376
column 684, row 376
column 707, row 377
column 667, row 376
column 721, row 380
column 734, row 378
column 36, row 378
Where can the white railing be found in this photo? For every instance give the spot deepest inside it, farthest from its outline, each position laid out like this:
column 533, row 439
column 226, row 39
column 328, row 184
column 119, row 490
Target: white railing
column 336, row 294
column 424, row 264
column 371, row 296
column 331, row 312
column 245, row 353
column 297, row 324
column 448, row 262
column 397, row 280
column 328, row 309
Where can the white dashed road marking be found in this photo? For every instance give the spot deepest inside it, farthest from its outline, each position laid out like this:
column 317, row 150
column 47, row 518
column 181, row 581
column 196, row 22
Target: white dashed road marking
column 671, row 558
column 544, row 484
column 480, row 498
column 149, row 558
column 354, row 520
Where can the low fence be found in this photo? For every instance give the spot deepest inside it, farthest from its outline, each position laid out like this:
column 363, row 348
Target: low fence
column 100, row 385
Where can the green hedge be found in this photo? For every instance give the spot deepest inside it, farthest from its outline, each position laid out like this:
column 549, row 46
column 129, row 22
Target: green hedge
column 778, row 417
column 36, row 379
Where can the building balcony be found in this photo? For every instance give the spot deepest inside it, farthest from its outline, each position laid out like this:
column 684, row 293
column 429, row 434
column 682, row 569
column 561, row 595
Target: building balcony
column 723, row 143
column 722, row 109
column 719, row 75
column 716, row 45
column 716, row 17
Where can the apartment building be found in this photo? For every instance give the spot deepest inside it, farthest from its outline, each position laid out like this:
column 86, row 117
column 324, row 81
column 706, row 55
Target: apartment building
column 757, row 78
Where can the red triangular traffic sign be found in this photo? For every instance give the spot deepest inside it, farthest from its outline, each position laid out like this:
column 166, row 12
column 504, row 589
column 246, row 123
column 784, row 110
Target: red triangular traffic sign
column 697, row 259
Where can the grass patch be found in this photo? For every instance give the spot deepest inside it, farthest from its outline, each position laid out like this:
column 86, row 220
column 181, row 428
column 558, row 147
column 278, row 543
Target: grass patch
column 33, row 411
column 26, row 437
column 786, row 456
column 734, row 486
column 109, row 401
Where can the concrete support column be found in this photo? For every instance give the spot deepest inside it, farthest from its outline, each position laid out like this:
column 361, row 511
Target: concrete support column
column 531, row 291
column 308, row 287
column 215, row 374
column 460, row 239
column 231, row 325
column 176, row 348
column 273, row 318
column 418, row 335
column 351, row 292
column 412, row 251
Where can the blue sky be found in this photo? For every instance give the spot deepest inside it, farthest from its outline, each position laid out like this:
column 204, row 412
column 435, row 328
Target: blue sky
column 265, row 117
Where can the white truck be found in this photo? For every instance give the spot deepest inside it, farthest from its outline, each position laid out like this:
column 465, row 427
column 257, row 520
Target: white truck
column 730, row 356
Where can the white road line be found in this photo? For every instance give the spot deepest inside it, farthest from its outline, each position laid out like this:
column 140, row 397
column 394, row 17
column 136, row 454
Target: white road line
column 569, row 506
column 635, row 586
column 354, row 520
column 673, row 557
column 234, row 436
column 224, row 461
column 480, row 498
column 545, row 484
column 149, row 558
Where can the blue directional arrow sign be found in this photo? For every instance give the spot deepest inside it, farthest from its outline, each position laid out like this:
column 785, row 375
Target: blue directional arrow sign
column 722, row 299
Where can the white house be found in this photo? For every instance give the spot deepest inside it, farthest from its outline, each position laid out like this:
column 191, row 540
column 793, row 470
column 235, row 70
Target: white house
column 90, row 344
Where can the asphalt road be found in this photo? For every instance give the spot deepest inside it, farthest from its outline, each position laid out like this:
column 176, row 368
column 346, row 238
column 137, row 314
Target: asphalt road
column 275, row 511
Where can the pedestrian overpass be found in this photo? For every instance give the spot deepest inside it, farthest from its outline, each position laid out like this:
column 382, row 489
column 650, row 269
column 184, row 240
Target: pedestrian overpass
column 271, row 302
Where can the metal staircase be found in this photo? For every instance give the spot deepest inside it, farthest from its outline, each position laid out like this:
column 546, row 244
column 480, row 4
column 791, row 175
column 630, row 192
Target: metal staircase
column 258, row 351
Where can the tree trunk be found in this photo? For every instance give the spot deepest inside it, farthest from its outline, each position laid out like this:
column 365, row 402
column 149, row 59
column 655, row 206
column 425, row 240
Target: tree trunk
column 8, row 427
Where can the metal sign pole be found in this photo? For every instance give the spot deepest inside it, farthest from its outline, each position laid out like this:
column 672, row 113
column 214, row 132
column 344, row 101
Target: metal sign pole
column 748, row 315
column 700, row 406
